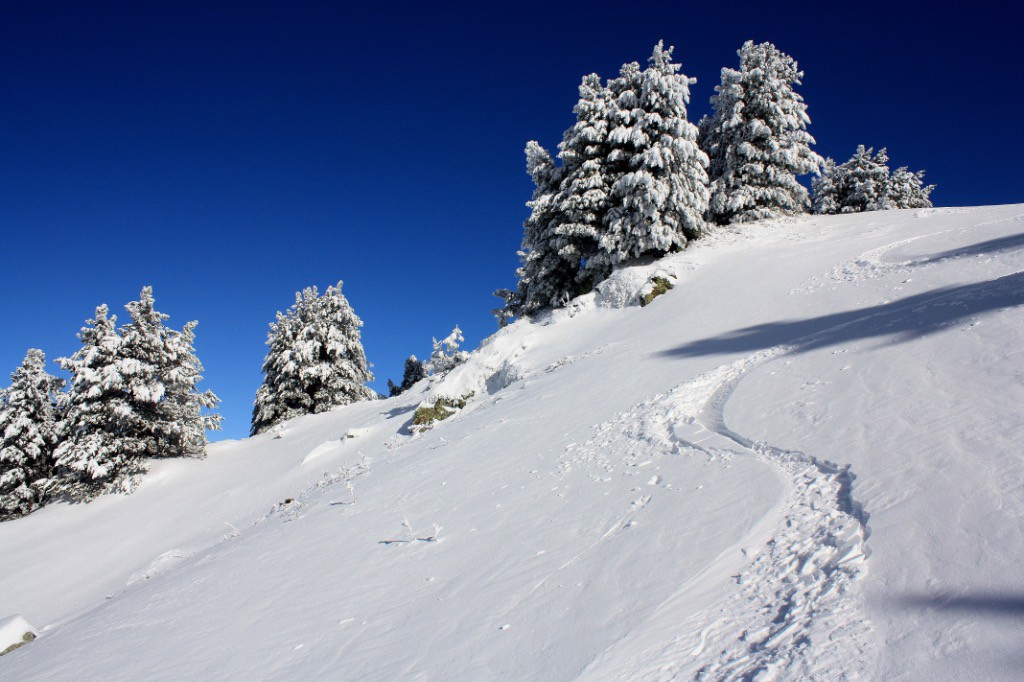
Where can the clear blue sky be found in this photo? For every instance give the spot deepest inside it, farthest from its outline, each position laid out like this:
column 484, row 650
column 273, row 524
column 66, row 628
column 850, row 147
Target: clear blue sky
column 231, row 153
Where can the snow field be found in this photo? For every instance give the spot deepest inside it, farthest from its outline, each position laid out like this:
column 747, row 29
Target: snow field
column 801, row 463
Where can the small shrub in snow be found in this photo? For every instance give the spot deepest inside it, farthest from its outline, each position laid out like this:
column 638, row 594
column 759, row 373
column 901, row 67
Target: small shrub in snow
column 658, row 286
column 442, row 408
column 446, row 355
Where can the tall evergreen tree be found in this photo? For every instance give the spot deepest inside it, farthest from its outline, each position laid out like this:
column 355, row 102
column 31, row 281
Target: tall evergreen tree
column 585, row 190
column 825, row 188
column 757, row 139
column 161, row 372
column 185, row 404
column 316, row 360
column 98, row 451
column 660, row 191
column 546, row 277
column 29, row 433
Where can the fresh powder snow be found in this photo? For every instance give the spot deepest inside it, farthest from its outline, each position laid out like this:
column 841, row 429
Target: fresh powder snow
column 803, row 461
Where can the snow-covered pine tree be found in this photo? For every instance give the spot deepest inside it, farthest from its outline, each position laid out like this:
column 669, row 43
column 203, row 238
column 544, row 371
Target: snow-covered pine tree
column 585, row 188
column 660, row 191
column 547, row 277
column 863, row 181
column 757, row 139
column 29, row 433
column 97, row 452
column 864, row 184
column 825, row 189
column 415, row 370
column 161, row 372
column 446, row 354
column 316, row 360
column 907, row 189
column 184, row 404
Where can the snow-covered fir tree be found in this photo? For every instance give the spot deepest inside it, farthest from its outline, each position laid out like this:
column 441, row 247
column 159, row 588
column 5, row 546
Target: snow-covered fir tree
column 757, row 139
column 546, row 278
column 98, row 452
column 316, row 360
column 907, row 189
column 446, row 355
column 864, row 183
column 660, row 185
column 632, row 182
column 414, row 371
column 825, row 189
column 585, row 190
column 185, row 404
column 29, row 433
column 161, row 371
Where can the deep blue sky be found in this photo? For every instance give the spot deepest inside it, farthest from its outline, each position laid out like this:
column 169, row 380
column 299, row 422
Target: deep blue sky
column 231, row 153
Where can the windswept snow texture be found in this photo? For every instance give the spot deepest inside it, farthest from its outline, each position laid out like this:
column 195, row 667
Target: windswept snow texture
column 802, row 462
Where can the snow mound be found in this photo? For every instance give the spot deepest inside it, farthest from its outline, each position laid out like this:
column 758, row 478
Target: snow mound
column 14, row 632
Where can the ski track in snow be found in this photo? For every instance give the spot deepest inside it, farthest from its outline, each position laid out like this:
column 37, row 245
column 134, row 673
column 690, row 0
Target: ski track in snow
column 801, row 586
column 874, row 262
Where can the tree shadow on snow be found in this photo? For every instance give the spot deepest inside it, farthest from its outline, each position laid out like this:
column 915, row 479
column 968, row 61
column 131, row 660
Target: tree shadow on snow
column 991, row 604
column 1015, row 241
column 907, row 319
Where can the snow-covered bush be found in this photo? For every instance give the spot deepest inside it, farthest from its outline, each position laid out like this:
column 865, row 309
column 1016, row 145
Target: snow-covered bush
column 864, row 183
column 15, row 632
column 907, row 189
column 29, row 433
column 439, row 409
column 316, row 360
column 757, row 139
column 446, row 355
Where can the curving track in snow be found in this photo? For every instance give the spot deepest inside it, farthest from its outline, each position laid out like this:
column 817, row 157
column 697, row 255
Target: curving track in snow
column 795, row 610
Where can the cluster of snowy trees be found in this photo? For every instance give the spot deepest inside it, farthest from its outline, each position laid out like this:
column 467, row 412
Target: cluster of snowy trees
column 634, row 177
column 132, row 395
column 632, row 182
column 865, row 183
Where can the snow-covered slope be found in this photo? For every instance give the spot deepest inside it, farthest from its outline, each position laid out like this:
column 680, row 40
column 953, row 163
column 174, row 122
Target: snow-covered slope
column 804, row 461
